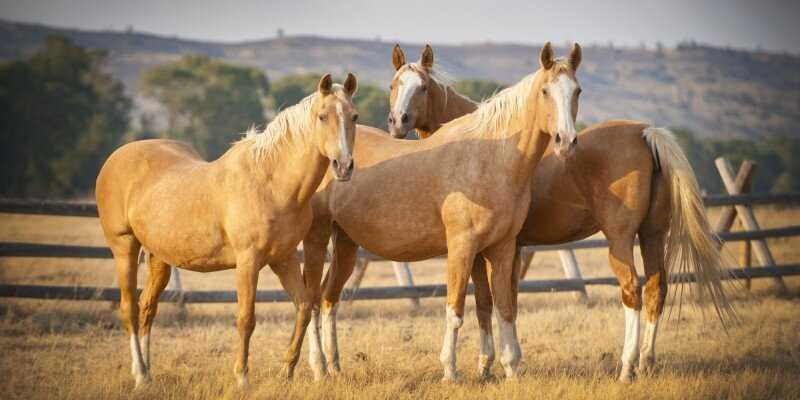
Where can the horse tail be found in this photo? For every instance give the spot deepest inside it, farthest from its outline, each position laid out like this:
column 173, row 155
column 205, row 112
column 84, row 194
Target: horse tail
column 691, row 246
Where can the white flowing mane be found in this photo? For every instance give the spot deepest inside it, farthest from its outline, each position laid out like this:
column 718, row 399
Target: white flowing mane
column 496, row 113
column 287, row 127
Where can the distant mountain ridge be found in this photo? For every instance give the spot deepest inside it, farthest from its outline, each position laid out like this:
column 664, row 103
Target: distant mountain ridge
column 712, row 91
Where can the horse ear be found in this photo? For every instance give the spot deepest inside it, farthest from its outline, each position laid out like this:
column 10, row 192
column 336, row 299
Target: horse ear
column 546, row 56
column 398, row 58
column 575, row 56
column 426, row 59
column 350, row 84
column 325, row 84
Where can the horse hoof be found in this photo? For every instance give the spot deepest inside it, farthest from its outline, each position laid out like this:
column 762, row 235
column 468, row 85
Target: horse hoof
column 450, row 378
column 241, row 381
column 141, row 381
column 627, row 378
column 646, row 366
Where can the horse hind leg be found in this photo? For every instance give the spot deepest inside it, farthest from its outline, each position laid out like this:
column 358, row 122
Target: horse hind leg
column 621, row 259
column 292, row 281
column 655, row 292
column 247, row 268
column 148, row 303
column 125, row 249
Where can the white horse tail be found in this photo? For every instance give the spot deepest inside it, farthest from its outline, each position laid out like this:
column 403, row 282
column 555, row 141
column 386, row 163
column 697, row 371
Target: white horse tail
column 691, row 246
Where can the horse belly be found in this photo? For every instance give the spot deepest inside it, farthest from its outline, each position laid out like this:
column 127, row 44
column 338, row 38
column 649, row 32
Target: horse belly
column 551, row 222
column 395, row 236
column 181, row 237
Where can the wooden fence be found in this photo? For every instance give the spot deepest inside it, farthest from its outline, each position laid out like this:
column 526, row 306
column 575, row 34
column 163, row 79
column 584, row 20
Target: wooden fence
column 737, row 205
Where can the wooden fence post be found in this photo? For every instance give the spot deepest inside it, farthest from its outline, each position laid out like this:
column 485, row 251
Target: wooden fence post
column 571, row 271
column 748, row 220
column 727, row 215
column 745, row 259
column 175, row 284
column 402, row 271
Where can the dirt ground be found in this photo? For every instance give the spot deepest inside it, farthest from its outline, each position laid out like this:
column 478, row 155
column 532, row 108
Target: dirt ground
column 66, row 349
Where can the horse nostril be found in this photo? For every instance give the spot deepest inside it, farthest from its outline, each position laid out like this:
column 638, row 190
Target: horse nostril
column 575, row 141
column 558, row 138
column 335, row 164
column 350, row 166
column 404, row 118
column 391, row 120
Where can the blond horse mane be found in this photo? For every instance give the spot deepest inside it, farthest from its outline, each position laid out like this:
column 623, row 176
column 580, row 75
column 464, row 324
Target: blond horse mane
column 496, row 113
column 288, row 127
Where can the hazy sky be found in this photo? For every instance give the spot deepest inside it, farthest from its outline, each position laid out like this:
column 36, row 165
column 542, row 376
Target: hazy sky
column 769, row 24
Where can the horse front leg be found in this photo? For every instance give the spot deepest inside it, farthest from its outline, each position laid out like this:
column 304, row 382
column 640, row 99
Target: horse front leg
column 315, row 247
column 503, row 268
column 483, row 306
column 344, row 258
column 460, row 258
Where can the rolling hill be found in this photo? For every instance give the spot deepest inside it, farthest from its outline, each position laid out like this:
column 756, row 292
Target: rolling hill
column 712, row 91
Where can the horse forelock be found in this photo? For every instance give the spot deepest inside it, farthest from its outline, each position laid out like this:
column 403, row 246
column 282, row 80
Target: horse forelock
column 435, row 73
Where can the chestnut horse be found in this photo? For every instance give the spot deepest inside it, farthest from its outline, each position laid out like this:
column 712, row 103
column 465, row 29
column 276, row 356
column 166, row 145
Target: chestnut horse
column 248, row 208
column 464, row 192
column 624, row 179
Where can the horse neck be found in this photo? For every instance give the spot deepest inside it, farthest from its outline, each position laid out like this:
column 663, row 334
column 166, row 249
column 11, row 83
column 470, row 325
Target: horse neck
column 291, row 175
column 520, row 129
column 444, row 106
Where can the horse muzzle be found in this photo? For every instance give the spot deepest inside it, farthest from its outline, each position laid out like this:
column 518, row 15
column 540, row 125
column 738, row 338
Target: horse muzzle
column 565, row 145
column 399, row 127
column 343, row 169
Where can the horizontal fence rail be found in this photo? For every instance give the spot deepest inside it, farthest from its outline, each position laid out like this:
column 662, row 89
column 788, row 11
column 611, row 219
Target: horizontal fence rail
column 14, row 249
column 87, row 209
column 74, row 209
column 372, row 293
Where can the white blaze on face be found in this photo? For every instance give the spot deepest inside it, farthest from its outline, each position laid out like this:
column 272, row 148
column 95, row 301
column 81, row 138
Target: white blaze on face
column 345, row 148
column 410, row 82
column 562, row 91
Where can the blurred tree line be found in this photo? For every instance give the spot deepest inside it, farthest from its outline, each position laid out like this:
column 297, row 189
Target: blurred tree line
column 62, row 114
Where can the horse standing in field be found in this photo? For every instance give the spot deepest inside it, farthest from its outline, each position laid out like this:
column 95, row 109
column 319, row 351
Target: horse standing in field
column 624, row 179
column 464, row 192
column 246, row 209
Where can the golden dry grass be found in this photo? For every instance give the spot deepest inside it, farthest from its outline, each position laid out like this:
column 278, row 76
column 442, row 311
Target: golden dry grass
column 62, row 349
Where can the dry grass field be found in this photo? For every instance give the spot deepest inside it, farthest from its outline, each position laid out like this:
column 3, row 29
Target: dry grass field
column 63, row 349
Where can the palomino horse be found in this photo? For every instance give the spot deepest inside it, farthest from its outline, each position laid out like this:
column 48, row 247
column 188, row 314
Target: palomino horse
column 624, row 179
column 248, row 208
column 464, row 192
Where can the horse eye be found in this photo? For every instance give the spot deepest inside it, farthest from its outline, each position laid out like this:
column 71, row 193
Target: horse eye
column 391, row 87
column 322, row 117
column 545, row 92
column 355, row 118
column 424, row 88
column 578, row 92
